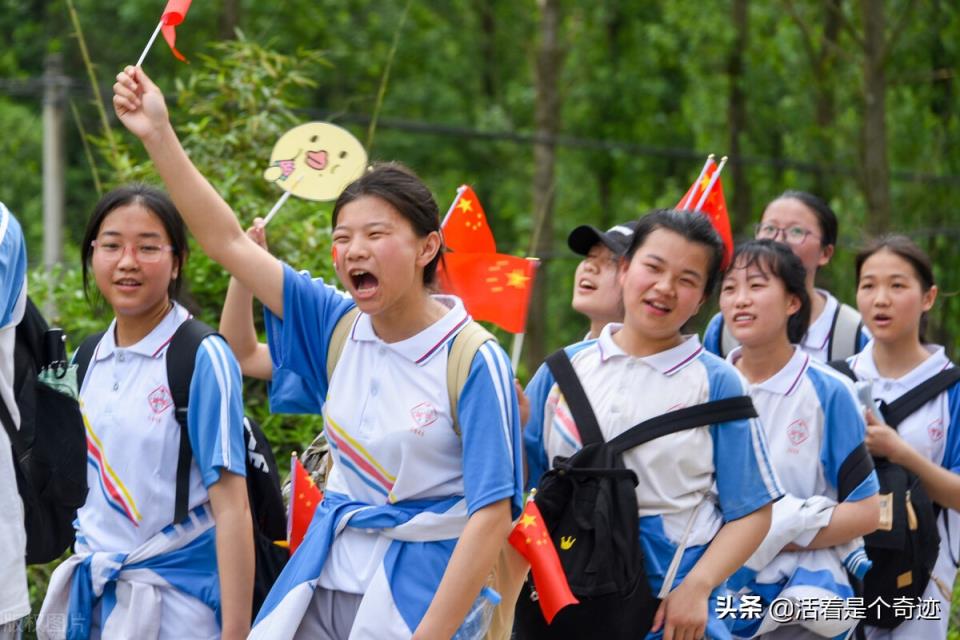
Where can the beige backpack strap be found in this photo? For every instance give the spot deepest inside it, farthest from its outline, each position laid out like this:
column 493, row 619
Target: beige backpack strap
column 459, row 360
column 339, row 338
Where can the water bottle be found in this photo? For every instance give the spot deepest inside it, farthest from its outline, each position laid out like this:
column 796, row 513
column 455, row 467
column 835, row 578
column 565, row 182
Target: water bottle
column 478, row 619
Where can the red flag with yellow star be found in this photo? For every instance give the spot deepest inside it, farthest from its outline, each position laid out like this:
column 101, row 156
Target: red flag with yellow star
column 465, row 228
column 714, row 206
column 493, row 286
column 304, row 498
column 531, row 538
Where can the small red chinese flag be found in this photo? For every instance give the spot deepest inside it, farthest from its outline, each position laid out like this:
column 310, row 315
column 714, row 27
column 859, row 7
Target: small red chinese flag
column 465, row 229
column 493, row 286
column 173, row 14
column 714, row 207
column 531, row 538
column 304, row 498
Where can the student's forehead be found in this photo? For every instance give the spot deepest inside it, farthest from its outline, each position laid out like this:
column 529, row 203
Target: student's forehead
column 790, row 211
column 675, row 250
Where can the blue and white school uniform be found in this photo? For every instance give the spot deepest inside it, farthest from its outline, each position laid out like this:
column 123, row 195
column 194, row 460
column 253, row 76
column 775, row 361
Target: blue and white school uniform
column 696, row 479
column 403, row 482
column 14, row 600
column 135, row 574
column 934, row 431
column 815, row 342
column 813, row 423
column 287, row 391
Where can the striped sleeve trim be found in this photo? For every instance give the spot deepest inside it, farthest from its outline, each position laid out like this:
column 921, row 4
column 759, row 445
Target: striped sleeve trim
column 221, row 371
column 497, row 366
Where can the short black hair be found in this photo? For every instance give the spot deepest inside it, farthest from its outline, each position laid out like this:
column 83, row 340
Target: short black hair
column 776, row 259
column 694, row 227
column 400, row 187
column 153, row 200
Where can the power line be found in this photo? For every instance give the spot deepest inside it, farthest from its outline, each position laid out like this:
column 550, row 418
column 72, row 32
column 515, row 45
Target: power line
column 35, row 86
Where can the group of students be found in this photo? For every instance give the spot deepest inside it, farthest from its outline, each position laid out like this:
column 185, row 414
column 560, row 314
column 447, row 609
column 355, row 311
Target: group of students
column 428, row 475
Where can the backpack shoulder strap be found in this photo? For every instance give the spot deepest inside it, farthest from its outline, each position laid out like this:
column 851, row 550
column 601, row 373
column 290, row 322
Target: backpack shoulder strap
column 727, row 342
column 569, row 383
column 901, row 408
column 459, row 360
column 339, row 338
column 853, row 471
column 84, row 355
column 844, row 332
column 842, row 366
column 700, row 415
column 181, row 358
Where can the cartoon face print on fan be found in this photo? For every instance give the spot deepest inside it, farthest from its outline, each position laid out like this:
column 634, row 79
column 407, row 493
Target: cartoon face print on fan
column 316, row 161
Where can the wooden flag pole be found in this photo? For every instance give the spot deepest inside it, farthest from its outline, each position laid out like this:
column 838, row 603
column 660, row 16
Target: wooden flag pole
column 686, row 203
column 146, row 49
column 713, row 181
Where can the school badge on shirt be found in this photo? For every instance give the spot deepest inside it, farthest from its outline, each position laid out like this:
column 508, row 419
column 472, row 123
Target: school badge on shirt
column 160, row 399
column 797, row 432
column 423, row 414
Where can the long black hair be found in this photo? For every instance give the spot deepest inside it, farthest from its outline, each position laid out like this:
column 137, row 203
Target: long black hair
column 156, row 202
column 775, row 259
column 404, row 191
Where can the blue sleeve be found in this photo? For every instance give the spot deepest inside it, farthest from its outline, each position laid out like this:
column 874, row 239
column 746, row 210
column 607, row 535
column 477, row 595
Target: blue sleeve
column 489, row 421
column 13, row 266
column 289, row 393
column 536, row 455
column 712, row 335
column 844, row 430
column 215, row 412
column 299, row 342
column 746, row 480
column 951, row 455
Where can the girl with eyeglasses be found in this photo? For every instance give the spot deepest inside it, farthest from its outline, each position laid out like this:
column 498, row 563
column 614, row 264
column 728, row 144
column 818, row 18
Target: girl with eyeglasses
column 136, row 573
column 808, row 225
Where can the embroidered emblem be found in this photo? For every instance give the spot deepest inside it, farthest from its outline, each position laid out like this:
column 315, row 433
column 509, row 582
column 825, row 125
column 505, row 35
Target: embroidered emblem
column 935, row 430
column 160, row 399
column 424, row 414
column 798, row 432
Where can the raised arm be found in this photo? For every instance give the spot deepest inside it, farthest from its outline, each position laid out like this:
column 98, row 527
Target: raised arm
column 236, row 321
column 141, row 108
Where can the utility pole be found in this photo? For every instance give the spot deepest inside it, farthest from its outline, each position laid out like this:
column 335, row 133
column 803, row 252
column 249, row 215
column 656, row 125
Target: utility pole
column 54, row 97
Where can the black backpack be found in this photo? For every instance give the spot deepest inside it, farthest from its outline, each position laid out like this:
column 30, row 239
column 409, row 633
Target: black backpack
column 49, row 448
column 904, row 554
column 589, row 505
column 263, row 480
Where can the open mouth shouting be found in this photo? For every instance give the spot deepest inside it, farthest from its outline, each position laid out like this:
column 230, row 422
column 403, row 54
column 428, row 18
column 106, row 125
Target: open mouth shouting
column 585, row 285
column 364, row 283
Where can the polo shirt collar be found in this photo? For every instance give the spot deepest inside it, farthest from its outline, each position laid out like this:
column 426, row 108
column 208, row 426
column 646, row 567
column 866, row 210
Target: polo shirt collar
column 666, row 362
column 818, row 333
column 785, row 381
column 421, row 347
column 151, row 345
column 865, row 367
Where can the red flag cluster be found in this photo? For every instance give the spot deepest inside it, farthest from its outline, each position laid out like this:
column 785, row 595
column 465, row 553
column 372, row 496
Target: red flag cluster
column 304, row 498
column 706, row 196
column 493, row 286
column 532, row 540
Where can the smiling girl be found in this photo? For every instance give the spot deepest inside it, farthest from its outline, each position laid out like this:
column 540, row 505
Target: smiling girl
column 704, row 494
column 135, row 573
column 814, row 430
column 416, row 510
column 895, row 290
column 808, row 225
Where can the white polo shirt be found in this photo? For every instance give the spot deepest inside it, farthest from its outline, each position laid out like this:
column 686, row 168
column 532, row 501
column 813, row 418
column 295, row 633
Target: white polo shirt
column 14, row 600
column 813, row 423
column 934, row 431
column 722, row 470
column 387, row 416
column 133, row 437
